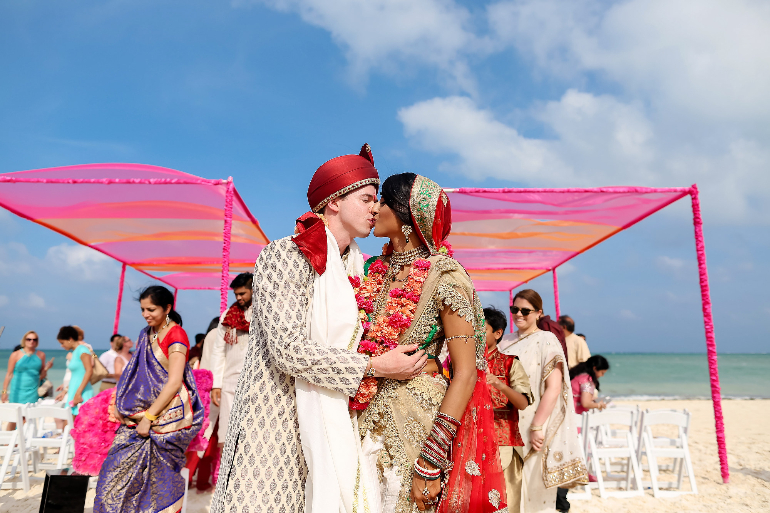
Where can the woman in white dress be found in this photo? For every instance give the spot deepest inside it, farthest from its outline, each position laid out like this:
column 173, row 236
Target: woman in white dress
column 551, row 456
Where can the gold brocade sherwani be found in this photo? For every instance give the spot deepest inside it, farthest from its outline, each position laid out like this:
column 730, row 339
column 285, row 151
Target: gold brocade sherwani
column 401, row 413
column 263, row 469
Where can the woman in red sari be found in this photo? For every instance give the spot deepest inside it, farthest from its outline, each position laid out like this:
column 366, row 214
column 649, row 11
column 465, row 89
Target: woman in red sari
column 439, row 448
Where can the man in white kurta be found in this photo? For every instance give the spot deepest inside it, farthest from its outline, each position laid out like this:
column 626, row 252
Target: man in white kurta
column 229, row 351
column 278, row 442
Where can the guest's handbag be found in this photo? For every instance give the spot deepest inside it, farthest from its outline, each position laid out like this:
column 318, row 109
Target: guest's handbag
column 99, row 370
column 45, row 389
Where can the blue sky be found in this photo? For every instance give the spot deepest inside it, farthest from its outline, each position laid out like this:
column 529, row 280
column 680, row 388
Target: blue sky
column 508, row 93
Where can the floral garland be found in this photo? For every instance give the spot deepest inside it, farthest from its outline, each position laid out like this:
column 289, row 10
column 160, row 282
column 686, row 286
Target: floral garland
column 381, row 334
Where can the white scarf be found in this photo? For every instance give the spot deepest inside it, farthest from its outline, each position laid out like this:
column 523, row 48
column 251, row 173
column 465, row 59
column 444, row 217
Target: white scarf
column 339, row 476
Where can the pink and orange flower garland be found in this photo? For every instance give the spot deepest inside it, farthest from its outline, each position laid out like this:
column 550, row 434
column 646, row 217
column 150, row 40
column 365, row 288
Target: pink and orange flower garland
column 381, row 335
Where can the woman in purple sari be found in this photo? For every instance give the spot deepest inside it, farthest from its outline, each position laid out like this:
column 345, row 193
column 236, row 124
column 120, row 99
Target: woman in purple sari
column 158, row 405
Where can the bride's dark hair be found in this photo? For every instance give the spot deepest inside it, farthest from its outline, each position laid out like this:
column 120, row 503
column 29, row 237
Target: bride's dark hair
column 396, row 191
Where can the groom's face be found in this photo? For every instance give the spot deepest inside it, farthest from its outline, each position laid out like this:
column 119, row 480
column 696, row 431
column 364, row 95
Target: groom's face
column 357, row 211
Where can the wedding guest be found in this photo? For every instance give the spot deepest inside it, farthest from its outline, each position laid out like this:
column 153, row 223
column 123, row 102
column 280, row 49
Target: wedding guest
column 64, row 387
column 203, row 465
column 577, row 349
column 585, row 381
column 197, row 350
column 556, row 460
column 110, row 358
column 509, row 386
column 81, row 366
column 157, row 403
column 26, row 369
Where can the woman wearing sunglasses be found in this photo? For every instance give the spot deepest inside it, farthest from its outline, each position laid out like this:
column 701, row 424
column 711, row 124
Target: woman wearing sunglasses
column 26, row 367
column 551, row 456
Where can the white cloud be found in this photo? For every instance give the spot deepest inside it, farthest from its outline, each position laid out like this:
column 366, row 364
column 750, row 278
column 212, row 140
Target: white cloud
column 3, row 301
column 629, row 315
column 15, row 259
column 565, row 269
column 80, row 262
column 704, row 56
column 599, row 141
column 388, row 35
column 34, row 301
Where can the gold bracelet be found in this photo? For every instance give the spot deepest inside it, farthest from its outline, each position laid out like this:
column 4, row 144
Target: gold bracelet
column 535, row 428
column 466, row 337
column 149, row 417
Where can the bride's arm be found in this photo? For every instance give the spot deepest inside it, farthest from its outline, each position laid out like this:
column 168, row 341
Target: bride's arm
column 462, row 350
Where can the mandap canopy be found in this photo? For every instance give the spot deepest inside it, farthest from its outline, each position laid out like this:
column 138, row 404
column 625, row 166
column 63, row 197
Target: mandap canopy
column 185, row 231
column 506, row 237
column 189, row 232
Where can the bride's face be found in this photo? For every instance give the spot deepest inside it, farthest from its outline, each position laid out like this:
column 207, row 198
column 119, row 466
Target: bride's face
column 386, row 224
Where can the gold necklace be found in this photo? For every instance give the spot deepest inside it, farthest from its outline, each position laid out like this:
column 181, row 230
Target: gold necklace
column 155, row 335
column 538, row 330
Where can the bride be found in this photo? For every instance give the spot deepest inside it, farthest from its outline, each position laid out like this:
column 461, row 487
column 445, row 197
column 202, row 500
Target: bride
column 433, row 430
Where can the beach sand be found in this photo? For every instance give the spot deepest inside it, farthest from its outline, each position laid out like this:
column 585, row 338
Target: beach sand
column 748, row 447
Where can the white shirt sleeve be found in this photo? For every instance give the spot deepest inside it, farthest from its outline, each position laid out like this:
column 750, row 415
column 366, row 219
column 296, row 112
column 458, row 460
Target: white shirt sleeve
column 218, row 355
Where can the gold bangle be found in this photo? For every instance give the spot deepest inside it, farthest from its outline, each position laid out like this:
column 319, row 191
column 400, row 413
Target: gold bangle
column 149, row 417
column 535, row 428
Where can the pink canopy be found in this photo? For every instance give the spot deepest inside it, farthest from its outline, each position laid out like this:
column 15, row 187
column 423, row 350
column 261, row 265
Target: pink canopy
column 185, row 231
column 506, row 237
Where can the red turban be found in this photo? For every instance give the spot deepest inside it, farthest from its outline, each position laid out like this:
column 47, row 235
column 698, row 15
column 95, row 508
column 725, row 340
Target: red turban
column 341, row 175
column 335, row 178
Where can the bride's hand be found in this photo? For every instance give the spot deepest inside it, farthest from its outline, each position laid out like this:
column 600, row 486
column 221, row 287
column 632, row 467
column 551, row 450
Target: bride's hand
column 419, row 485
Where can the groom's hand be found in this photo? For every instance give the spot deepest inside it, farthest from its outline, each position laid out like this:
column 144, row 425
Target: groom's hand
column 396, row 364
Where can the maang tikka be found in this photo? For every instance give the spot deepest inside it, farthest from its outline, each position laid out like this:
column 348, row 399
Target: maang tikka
column 407, row 230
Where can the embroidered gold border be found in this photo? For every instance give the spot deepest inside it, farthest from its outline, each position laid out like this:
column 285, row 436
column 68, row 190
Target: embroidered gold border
column 345, row 190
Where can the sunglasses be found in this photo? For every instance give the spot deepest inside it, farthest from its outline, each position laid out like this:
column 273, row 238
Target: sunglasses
column 31, row 339
column 524, row 311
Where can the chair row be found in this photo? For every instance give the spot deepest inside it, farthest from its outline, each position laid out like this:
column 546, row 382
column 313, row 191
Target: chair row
column 30, row 441
column 626, row 434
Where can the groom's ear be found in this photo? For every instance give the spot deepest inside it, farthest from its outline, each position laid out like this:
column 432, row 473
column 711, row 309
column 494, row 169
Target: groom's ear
column 333, row 205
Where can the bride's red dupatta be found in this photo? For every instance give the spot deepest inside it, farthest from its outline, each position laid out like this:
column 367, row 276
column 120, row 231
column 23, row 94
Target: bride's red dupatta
column 476, row 483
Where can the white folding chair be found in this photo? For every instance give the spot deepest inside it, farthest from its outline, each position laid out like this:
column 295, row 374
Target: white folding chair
column 39, row 443
column 595, row 421
column 655, row 447
column 616, row 436
column 12, row 446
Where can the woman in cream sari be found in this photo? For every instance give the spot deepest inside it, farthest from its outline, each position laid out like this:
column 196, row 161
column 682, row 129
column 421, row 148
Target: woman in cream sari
column 551, row 456
column 436, row 454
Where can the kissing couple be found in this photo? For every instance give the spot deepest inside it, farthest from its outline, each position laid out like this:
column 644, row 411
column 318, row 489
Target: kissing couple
column 345, row 403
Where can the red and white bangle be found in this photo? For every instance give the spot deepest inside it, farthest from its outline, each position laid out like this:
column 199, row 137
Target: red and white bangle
column 427, row 474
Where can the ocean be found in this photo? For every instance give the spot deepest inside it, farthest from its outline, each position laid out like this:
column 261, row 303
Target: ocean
column 639, row 376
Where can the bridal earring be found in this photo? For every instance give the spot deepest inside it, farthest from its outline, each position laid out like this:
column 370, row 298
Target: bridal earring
column 407, row 230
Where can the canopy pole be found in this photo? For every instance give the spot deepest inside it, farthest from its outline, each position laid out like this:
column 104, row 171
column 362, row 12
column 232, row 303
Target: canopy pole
column 556, row 293
column 226, row 245
column 708, row 322
column 510, row 304
column 120, row 299
column 176, row 291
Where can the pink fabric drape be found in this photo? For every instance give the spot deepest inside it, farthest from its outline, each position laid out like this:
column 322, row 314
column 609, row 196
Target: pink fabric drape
column 120, row 299
column 708, row 322
column 556, row 294
column 228, row 226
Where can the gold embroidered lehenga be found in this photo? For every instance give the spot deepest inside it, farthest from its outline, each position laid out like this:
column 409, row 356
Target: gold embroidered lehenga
column 402, row 413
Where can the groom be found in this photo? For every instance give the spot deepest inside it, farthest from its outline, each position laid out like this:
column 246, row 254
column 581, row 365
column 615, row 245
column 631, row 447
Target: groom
column 273, row 448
